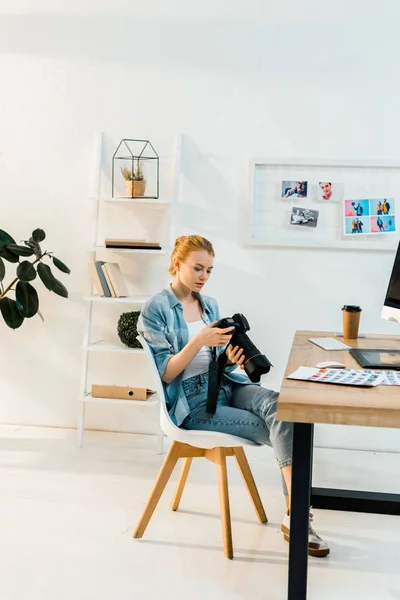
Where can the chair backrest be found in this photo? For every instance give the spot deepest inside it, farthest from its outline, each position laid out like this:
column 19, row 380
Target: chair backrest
column 166, row 422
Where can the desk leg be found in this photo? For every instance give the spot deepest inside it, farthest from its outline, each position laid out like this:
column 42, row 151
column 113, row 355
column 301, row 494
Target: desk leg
column 356, row 501
column 303, row 434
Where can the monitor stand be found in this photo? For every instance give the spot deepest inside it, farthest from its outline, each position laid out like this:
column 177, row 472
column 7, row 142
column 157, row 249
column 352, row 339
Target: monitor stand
column 391, row 314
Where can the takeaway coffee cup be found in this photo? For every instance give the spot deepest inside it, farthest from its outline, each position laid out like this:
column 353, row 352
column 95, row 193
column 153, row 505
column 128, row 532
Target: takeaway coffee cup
column 351, row 321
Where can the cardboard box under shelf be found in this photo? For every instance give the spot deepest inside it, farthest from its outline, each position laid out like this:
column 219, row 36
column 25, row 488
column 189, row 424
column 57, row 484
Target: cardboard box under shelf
column 121, row 392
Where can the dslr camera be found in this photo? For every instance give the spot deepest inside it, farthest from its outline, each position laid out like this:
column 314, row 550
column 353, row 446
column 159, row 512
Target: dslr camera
column 255, row 365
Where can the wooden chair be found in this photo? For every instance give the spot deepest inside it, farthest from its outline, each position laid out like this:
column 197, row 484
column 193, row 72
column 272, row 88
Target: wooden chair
column 214, row 446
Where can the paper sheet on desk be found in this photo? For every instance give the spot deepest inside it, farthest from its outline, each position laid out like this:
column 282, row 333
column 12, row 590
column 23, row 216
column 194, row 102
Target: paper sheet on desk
column 340, row 376
column 388, row 377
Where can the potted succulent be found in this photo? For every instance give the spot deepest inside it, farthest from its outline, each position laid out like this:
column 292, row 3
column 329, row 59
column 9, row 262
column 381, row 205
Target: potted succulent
column 26, row 302
column 134, row 180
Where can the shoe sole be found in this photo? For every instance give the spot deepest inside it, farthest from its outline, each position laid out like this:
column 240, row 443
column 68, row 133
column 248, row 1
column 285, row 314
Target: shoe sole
column 311, row 551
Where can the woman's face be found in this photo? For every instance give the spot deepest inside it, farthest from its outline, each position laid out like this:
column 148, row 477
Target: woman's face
column 326, row 188
column 195, row 270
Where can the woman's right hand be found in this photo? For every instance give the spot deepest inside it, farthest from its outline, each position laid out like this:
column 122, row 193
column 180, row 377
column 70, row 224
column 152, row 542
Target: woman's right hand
column 214, row 336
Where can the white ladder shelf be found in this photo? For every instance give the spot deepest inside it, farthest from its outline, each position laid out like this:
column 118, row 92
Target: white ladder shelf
column 90, row 347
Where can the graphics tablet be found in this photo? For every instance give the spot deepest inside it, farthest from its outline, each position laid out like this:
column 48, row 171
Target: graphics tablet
column 377, row 359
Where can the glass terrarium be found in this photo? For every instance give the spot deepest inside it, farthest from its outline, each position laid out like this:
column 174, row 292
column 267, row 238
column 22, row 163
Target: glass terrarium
column 135, row 170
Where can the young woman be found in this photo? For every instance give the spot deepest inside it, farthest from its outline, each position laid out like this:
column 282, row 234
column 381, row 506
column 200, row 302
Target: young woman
column 178, row 324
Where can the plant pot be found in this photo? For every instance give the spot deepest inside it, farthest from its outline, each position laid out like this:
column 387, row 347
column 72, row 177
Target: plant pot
column 135, row 188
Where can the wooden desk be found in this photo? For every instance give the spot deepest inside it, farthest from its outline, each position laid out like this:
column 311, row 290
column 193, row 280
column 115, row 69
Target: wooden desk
column 305, row 403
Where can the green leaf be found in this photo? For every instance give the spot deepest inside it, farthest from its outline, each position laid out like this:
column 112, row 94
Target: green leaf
column 2, row 270
column 60, row 265
column 5, row 238
column 46, row 276
column 60, row 289
column 10, row 312
column 8, row 255
column 38, row 235
column 35, row 247
column 19, row 250
column 26, row 271
column 27, row 299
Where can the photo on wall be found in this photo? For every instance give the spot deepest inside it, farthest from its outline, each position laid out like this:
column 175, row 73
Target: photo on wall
column 383, row 224
column 329, row 191
column 356, row 208
column 373, row 217
column 294, row 189
column 357, row 225
column 382, row 206
column 304, row 217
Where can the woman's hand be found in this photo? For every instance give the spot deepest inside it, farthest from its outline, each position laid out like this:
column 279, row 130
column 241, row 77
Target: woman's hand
column 214, row 336
column 235, row 355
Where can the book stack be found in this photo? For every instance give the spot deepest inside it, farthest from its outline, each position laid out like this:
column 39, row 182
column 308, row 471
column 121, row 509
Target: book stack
column 107, row 279
column 132, row 244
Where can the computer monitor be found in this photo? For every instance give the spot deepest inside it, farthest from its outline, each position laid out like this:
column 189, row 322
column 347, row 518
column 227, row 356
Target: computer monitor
column 391, row 308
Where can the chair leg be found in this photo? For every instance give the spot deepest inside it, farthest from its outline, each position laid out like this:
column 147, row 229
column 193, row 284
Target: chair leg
column 250, row 484
column 183, row 474
column 220, row 461
column 162, row 480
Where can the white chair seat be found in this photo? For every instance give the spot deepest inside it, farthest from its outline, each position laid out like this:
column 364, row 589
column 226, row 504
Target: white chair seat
column 204, row 439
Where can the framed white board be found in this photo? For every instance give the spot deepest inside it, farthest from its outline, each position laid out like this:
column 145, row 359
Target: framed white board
column 269, row 215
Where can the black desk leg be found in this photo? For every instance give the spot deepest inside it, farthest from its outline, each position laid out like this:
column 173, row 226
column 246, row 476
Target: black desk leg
column 303, row 434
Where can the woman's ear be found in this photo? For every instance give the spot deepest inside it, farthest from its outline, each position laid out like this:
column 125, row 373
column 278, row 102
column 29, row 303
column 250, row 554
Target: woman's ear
column 177, row 265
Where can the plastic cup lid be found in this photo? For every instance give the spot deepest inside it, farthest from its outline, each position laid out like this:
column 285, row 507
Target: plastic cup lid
column 351, row 308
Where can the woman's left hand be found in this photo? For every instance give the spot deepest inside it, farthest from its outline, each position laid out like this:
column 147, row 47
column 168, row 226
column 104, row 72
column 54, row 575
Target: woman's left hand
column 235, row 355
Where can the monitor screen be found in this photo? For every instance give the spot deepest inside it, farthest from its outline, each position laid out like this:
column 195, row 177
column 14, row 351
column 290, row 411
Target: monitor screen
column 391, row 309
column 393, row 291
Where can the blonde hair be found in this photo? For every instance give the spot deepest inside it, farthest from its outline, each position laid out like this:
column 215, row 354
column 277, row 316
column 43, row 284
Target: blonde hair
column 184, row 245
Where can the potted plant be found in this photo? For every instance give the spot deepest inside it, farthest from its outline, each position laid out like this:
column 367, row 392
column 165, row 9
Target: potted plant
column 26, row 302
column 134, row 180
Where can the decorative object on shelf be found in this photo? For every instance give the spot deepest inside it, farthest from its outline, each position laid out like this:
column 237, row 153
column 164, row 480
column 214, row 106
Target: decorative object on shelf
column 121, row 392
column 131, row 244
column 139, row 166
column 134, row 180
column 127, row 329
column 26, row 303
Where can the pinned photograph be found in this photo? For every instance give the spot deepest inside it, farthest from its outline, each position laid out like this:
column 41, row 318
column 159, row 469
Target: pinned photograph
column 304, row 217
column 294, row 189
column 382, row 206
column 329, row 191
column 374, row 216
column 383, row 224
column 356, row 208
column 357, row 225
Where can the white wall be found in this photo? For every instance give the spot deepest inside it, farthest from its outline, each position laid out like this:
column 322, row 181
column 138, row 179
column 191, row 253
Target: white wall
column 256, row 79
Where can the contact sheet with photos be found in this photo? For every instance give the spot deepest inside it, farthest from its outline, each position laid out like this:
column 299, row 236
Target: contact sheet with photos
column 356, row 377
column 388, row 377
column 369, row 216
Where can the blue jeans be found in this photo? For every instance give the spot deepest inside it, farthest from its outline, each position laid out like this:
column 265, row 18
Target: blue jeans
column 247, row 411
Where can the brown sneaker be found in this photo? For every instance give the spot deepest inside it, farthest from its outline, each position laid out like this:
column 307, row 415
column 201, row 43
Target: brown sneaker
column 316, row 545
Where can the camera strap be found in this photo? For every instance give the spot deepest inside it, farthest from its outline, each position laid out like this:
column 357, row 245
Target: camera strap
column 215, row 375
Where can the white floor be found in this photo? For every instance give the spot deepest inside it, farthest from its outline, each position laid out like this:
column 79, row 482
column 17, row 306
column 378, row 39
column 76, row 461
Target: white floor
column 67, row 516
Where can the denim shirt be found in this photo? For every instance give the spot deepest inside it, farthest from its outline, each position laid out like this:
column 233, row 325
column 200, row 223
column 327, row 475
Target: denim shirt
column 162, row 325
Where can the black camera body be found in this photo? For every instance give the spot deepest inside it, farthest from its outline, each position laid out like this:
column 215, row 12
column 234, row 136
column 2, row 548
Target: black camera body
column 256, row 364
